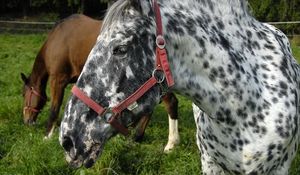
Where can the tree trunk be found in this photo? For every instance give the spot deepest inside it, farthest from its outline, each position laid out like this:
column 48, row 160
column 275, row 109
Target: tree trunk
column 25, row 7
column 82, row 7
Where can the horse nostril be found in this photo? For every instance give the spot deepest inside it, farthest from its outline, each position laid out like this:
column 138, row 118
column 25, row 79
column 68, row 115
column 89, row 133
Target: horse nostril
column 67, row 143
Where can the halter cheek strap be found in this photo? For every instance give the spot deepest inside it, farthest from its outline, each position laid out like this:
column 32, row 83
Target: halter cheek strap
column 161, row 53
column 36, row 93
column 162, row 65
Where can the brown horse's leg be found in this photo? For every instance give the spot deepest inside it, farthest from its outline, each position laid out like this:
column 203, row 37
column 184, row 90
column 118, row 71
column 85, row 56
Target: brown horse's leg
column 57, row 86
column 171, row 105
column 141, row 127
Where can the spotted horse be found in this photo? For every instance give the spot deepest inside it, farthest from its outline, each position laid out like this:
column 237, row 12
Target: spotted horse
column 239, row 73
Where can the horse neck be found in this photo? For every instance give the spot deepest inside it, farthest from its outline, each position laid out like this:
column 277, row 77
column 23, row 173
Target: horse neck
column 39, row 75
column 188, row 53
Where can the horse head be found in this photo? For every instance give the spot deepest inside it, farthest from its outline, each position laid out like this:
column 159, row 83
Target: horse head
column 34, row 100
column 122, row 60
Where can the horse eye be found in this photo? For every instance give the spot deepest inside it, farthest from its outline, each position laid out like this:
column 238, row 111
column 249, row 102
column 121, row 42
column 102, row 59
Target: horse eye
column 120, row 50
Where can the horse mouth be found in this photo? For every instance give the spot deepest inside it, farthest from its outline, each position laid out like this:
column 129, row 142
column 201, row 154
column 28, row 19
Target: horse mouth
column 29, row 119
column 30, row 122
column 87, row 160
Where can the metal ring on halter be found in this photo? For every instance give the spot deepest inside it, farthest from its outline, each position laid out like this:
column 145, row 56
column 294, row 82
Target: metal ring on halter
column 159, row 39
column 159, row 78
column 111, row 114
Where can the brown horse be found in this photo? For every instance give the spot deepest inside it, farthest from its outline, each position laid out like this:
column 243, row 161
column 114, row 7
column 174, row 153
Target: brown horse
column 61, row 59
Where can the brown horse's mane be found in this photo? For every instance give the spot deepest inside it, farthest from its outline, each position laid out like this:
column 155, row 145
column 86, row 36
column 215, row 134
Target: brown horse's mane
column 66, row 19
column 39, row 73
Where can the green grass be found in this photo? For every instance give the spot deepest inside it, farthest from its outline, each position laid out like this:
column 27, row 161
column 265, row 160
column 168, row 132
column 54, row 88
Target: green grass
column 23, row 150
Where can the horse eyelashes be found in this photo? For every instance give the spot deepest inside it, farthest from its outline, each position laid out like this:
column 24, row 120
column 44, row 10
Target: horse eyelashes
column 120, row 50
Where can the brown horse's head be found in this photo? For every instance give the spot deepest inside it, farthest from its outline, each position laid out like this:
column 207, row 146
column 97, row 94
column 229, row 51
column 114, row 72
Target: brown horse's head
column 34, row 100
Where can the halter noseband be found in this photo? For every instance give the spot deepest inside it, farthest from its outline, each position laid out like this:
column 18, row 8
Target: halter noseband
column 28, row 104
column 162, row 65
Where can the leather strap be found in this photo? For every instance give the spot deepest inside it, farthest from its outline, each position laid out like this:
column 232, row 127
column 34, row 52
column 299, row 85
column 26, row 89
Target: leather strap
column 119, row 108
column 135, row 96
column 159, row 28
column 162, row 62
column 161, row 53
column 28, row 104
column 31, row 109
column 87, row 100
column 116, row 124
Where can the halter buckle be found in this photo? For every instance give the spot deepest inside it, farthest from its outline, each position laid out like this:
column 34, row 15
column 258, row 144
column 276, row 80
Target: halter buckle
column 160, row 42
column 159, row 75
column 132, row 106
column 108, row 114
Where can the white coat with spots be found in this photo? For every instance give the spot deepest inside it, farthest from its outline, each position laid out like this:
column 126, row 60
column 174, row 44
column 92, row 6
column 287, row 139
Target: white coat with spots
column 238, row 71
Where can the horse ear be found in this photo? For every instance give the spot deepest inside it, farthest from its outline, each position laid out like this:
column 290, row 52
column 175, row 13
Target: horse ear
column 24, row 78
column 144, row 6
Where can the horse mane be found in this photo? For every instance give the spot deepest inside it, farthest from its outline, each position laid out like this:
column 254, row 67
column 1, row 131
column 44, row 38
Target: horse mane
column 114, row 13
column 229, row 6
column 65, row 19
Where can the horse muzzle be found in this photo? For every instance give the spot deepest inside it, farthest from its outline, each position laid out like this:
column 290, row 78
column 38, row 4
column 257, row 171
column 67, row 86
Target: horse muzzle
column 29, row 116
column 86, row 154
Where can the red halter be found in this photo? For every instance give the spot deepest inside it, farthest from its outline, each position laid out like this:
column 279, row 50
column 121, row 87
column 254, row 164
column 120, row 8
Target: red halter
column 28, row 104
column 162, row 65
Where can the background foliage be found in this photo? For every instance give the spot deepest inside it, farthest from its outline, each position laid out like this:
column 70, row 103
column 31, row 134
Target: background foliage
column 278, row 10
column 264, row 10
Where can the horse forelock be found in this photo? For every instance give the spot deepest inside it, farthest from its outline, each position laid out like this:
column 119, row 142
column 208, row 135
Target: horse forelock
column 114, row 13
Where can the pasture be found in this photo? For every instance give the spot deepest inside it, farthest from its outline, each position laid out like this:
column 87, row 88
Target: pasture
column 23, row 150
